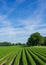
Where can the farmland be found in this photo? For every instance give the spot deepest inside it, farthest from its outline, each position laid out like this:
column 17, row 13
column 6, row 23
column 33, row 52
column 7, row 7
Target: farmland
column 19, row 55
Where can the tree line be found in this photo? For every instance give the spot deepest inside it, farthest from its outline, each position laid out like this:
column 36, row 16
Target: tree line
column 34, row 39
column 5, row 44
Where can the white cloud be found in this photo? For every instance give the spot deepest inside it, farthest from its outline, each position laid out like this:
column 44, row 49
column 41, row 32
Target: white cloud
column 4, row 22
column 31, row 24
column 6, row 27
column 6, row 31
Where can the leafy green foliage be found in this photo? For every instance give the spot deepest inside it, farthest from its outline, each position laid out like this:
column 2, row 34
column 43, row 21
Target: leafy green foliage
column 44, row 41
column 35, row 39
column 32, row 62
column 24, row 58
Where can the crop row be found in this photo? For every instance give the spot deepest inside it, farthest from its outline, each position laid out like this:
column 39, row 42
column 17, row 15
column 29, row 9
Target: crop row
column 23, row 56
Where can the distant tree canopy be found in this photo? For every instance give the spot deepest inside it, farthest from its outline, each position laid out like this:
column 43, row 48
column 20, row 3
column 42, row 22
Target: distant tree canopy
column 22, row 44
column 44, row 40
column 5, row 44
column 35, row 39
column 18, row 43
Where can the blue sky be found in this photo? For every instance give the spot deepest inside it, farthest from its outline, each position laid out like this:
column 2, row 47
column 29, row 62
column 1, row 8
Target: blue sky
column 20, row 18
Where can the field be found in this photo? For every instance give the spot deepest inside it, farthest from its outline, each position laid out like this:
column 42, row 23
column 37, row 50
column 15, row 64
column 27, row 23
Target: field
column 19, row 55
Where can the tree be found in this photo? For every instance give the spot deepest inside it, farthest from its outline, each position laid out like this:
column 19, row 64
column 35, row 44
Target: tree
column 35, row 39
column 44, row 40
column 18, row 43
column 5, row 44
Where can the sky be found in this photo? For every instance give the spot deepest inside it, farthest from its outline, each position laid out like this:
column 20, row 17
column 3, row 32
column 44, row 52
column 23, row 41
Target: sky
column 20, row 18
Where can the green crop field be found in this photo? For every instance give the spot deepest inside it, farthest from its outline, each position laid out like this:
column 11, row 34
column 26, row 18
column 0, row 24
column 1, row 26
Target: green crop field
column 19, row 55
